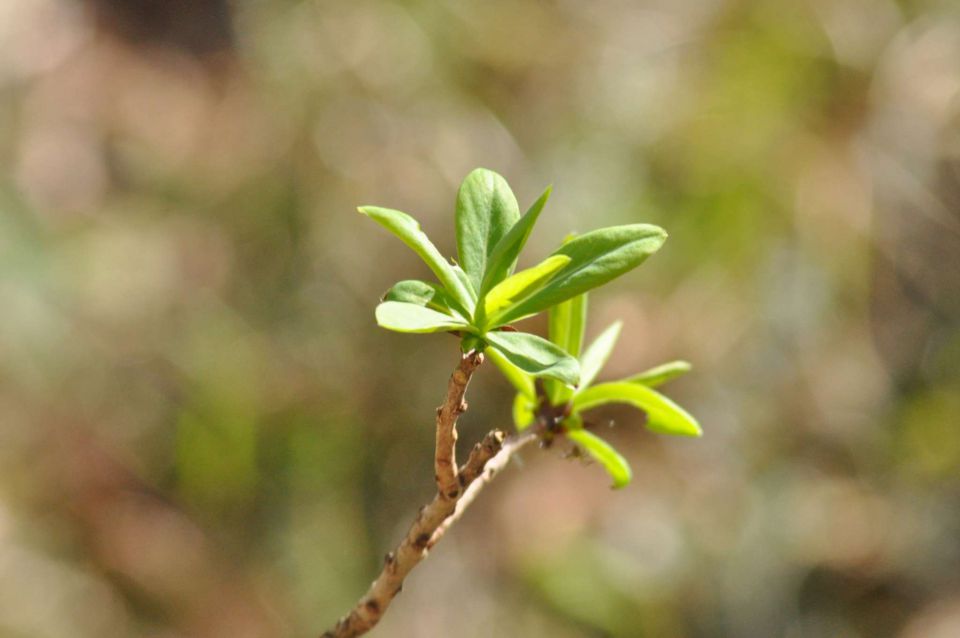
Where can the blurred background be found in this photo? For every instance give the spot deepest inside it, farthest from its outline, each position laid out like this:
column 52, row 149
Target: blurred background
column 203, row 433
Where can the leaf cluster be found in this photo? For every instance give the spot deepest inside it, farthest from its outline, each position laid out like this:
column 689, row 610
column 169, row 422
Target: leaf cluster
column 481, row 294
column 557, row 409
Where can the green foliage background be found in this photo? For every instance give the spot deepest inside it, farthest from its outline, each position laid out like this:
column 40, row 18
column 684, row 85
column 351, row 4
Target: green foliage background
column 203, row 432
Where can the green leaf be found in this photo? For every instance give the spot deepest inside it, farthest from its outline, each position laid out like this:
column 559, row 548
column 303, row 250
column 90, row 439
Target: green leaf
column 503, row 259
column 408, row 317
column 486, row 210
column 663, row 415
column 567, row 322
column 517, row 287
column 661, row 374
column 408, row 229
column 603, row 452
column 465, row 280
column 595, row 258
column 536, row 356
column 523, row 415
column 597, row 353
column 421, row 293
column 519, row 379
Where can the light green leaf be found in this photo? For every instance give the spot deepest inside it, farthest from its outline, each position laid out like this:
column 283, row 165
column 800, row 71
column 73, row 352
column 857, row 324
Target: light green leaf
column 595, row 258
column 421, row 293
column 519, row 286
column 536, row 356
column 567, row 322
column 558, row 323
column 486, row 210
column 408, row 229
column 663, row 415
column 597, row 353
column 661, row 374
column 603, row 452
column 465, row 280
column 523, row 415
column 408, row 317
column 519, row 379
column 503, row 259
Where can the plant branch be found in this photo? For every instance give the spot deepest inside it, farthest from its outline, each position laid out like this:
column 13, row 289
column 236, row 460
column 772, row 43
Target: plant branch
column 486, row 458
column 488, row 469
column 445, row 459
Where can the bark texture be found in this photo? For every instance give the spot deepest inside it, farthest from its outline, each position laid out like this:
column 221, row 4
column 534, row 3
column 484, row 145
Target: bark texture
column 456, row 489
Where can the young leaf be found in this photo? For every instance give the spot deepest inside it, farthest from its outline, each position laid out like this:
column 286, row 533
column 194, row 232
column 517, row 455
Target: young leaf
column 604, row 453
column 486, row 210
column 421, row 293
column 408, row 229
column 595, row 258
column 407, row 317
column 567, row 322
column 519, row 379
column 536, row 356
column 523, row 409
column 597, row 353
column 566, row 326
column 660, row 374
column 663, row 415
column 558, row 323
column 521, row 285
column 503, row 259
column 465, row 280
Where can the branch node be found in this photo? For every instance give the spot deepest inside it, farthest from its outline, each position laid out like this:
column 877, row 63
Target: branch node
column 420, row 542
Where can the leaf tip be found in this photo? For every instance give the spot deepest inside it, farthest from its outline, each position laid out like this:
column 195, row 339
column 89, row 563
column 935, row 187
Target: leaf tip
column 692, row 429
column 621, row 480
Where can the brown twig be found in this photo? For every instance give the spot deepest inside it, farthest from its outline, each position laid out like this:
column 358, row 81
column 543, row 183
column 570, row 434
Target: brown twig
column 445, row 459
column 487, row 470
column 453, row 487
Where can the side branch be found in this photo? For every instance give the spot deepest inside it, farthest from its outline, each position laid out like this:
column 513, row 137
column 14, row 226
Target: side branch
column 486, row 470
column 452, row 484
column 486, row 459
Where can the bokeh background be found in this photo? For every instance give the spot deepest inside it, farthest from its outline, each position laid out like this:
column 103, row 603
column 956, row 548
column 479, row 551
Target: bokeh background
column 203, row 433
